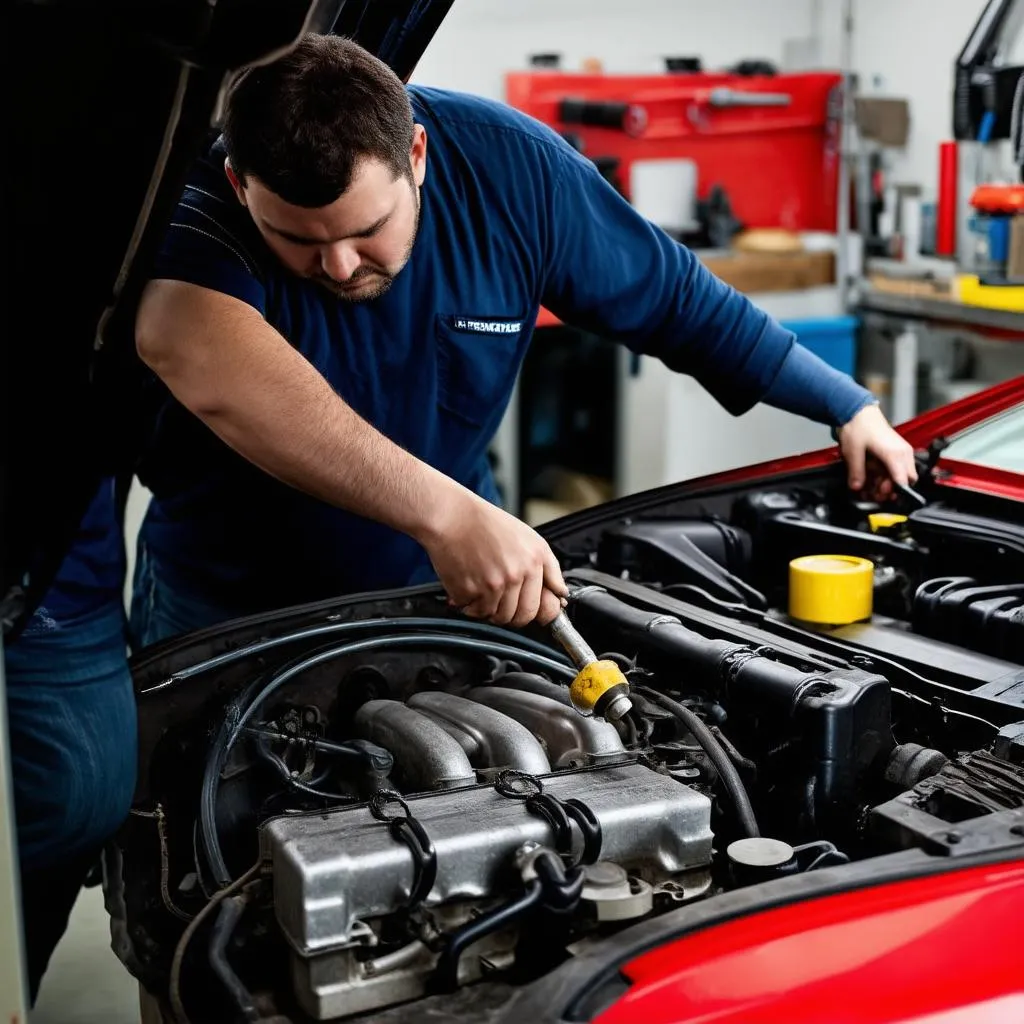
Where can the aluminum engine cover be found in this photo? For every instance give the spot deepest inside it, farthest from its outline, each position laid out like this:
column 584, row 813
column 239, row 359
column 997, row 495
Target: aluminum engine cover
column 335, row 869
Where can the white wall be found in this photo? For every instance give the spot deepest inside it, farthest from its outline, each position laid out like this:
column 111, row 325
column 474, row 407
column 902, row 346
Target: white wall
column 482, row 39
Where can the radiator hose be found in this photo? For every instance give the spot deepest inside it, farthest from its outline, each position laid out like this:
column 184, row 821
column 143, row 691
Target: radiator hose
column 716, row 752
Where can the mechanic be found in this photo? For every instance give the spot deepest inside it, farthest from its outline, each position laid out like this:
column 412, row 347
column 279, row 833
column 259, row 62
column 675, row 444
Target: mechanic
column 345, row 317
column 71, row 718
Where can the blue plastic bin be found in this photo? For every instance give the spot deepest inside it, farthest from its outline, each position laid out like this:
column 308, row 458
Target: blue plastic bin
column 833, row 339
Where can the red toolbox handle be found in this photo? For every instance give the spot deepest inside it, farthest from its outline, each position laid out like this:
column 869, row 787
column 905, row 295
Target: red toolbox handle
column 725, row 97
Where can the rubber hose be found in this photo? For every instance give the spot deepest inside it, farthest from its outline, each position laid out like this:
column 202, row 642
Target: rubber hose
column 719, row 758
column 447, row 972
column 231, row 911
column 481, row 629
column 178, row 961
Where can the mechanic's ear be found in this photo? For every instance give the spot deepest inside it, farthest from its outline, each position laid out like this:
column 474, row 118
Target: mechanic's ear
column 418, row 154
column 235, row 183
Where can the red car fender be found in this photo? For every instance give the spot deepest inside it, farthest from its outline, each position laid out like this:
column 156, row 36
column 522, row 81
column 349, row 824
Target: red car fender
column 946, row 949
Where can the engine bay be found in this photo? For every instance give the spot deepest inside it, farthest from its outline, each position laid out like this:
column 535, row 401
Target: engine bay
column 347, row 808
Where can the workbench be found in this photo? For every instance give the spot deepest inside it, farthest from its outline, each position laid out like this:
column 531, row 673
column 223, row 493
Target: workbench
column 941, row 311
column 913, row 319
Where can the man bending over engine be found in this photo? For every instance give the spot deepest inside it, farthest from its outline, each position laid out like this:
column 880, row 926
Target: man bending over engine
column 344, row 297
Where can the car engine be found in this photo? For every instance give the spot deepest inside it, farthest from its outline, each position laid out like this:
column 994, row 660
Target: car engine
column 346, row 811
column 459, row 850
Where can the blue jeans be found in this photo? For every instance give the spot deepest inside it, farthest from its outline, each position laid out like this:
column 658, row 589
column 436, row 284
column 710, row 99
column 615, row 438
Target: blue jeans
column 160, row 611
column 71, row 711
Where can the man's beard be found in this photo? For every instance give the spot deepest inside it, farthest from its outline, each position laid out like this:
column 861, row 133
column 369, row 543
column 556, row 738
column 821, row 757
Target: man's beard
column 379, row 280
column 382, row 281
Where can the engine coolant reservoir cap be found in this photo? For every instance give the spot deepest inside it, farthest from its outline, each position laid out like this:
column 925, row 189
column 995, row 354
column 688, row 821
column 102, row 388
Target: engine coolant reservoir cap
column 833, row 590
column 759, row 852
column 760, row 859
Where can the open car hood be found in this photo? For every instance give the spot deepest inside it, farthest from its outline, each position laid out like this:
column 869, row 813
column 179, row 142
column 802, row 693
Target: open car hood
column 115, row 100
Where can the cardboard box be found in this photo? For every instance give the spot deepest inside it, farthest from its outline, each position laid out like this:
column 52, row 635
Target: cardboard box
column 538, row 511
column 1015, row 261
column 913, row 287
column 885, row 121
column 569, row 492
column 753, row 273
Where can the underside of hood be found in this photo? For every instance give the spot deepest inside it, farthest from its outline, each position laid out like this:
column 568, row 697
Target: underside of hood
column 112, row 102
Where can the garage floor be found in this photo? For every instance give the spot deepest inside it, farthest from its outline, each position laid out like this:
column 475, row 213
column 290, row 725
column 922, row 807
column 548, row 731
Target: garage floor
column 86, row 983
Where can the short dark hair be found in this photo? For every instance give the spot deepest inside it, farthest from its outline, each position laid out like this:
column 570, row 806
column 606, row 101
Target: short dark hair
column 300, row 123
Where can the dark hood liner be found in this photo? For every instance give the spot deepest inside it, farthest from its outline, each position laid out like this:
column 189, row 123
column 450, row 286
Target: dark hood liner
column 109, row 105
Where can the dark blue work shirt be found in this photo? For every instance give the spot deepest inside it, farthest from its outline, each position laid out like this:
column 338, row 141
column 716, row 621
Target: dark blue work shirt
column 512, row 218
column 91, row 576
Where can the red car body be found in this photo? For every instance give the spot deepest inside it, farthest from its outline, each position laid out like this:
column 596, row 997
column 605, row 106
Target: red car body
column 939, row 950
column 921, row 431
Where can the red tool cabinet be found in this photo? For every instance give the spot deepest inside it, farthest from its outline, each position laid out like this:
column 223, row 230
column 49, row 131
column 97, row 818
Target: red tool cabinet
column 772, row 142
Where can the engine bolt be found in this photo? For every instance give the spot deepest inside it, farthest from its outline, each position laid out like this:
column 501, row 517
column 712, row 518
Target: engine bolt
column 525, row 852
column 431, row 677
column 524, row 859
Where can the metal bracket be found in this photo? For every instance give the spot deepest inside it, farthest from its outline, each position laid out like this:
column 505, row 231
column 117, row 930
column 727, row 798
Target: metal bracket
column 988, row 833
column 999, row 831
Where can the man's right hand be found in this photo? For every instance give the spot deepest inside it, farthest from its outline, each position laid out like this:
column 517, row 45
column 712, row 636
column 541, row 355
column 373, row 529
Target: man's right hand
column 492, row 565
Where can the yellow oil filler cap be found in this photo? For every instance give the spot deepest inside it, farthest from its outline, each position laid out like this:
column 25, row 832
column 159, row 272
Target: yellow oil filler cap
column 884, row 520
column 833, row 590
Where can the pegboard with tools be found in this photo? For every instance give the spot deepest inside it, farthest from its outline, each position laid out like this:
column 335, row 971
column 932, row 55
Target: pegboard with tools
column 771, row 142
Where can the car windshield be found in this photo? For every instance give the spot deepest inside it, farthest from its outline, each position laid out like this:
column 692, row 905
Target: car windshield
column 998, row 442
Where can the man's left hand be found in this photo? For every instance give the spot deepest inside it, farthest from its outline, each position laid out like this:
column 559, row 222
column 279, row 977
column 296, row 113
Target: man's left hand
column 876, row 456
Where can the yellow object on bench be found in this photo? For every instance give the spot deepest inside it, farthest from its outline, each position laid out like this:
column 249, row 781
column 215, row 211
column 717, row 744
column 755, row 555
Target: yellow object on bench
column 974, row 293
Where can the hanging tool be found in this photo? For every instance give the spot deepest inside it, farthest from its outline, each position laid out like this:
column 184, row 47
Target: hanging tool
column 625, row 117
column 599, row 689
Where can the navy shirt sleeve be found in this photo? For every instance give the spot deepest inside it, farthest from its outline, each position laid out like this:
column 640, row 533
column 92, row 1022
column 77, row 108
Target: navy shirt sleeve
column 613, row 272
column 206, row 244
column 810, row 387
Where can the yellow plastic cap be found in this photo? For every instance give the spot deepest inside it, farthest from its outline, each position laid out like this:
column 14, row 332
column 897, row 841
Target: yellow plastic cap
column 880, row 520
column 833, row 590
column 593, row 682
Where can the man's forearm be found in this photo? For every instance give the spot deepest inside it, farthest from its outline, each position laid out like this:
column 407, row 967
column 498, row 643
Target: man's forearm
column 260, row 396
column 808, row 386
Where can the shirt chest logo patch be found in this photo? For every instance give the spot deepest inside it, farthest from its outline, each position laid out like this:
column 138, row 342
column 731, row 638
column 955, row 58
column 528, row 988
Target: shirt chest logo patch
column 476, row 325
